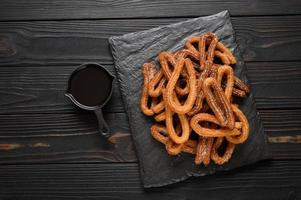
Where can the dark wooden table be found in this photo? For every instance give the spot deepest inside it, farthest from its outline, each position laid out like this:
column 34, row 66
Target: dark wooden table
column 51, row 150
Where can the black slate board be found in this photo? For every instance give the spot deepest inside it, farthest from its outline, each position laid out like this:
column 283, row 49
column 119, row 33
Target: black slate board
column 130, row 51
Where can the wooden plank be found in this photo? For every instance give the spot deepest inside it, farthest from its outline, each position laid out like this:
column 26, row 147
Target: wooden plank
column 89, row 9
column 72, row 42
column 61, row 138
column 275, row 84
column 281, row 122
column 267, row 180
column 41, row 89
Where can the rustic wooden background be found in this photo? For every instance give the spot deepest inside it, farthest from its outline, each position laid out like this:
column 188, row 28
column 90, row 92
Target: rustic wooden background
column 51, row 150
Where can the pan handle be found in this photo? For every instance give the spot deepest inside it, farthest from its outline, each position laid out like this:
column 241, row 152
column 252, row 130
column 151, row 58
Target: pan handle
column 102, row 124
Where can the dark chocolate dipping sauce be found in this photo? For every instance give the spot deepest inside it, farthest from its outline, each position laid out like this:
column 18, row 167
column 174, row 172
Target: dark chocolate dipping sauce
column 90, row 86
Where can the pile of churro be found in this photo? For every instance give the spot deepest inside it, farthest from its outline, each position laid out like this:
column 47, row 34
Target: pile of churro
column 191, row 97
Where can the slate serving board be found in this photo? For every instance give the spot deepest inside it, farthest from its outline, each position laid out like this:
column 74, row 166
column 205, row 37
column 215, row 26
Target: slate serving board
column 130, row 51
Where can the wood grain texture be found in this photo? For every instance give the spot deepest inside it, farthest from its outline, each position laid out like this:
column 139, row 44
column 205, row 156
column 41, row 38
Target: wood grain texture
column 89, row 9
column 281, row 122
column 286, row 139
column 61, row 138
column 41, row 89
column 275, row 84
column 267, row 180
column 72, row 42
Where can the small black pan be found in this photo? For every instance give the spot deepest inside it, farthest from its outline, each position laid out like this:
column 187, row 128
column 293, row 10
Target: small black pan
column 90, row 87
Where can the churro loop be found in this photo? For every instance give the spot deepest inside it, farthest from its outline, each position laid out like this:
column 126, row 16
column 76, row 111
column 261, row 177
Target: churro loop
column 218, row 102
column 197, row 45
column 187, row 53
column 217, row 159
column 159, row 133
column 241, row 85
column 191, row 42
column 146, row 70
column 156, row 84
column 224, row 58
column 200, row 95
column 198, row 104
column 160, row 117
column 170, row 88
column 167, row 61
column 173, row 148
column 208, row 38
column 203, row 150
column 198, row 128
column 224, row 51
column 244, row 127
column 238, row 93
column 177, row 138
column 157, row 107
column 228, row 71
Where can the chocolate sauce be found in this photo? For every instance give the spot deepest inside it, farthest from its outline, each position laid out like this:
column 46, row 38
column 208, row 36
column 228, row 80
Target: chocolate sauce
column 90, row 86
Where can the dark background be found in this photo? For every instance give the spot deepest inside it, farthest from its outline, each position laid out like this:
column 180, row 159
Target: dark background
column 51, row 150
